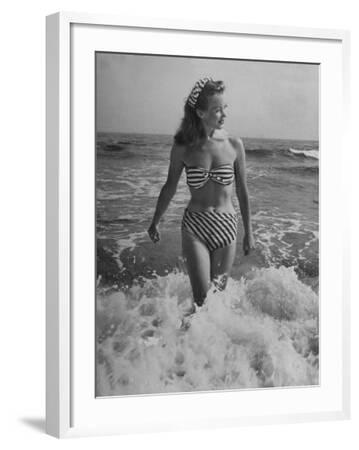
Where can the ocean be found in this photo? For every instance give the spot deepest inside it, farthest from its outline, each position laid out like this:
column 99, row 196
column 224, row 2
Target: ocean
column 261, row 332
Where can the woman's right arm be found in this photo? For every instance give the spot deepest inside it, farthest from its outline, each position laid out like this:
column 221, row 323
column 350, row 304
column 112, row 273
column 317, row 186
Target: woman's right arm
column 168, row 190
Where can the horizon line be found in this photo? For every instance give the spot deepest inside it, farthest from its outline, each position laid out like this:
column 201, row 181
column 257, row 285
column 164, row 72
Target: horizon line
column 242, row 137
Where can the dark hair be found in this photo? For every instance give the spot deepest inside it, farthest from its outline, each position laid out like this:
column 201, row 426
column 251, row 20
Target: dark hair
column 191, row 129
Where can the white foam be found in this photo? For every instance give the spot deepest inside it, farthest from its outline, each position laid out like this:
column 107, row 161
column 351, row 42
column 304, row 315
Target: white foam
column 260, row 332
column 108, row 195
column 271, row 229
column 130, row 241
column 307, row 153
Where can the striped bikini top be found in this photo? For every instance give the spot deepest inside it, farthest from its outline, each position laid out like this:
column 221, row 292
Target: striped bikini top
column 198, row 176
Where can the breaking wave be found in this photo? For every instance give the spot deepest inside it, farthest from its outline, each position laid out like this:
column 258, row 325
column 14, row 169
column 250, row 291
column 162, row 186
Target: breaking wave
column 260, row 332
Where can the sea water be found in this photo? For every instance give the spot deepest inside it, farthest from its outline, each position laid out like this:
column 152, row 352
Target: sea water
column 262, row 331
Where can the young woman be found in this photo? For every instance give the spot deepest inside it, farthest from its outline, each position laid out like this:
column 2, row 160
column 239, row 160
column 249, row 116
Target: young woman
column 213, row 162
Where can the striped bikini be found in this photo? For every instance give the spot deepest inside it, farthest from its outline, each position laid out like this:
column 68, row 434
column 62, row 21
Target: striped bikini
column 214, row 229
column 198, row 177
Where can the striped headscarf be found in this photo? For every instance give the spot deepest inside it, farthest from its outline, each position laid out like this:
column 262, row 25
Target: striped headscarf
column 196, row 90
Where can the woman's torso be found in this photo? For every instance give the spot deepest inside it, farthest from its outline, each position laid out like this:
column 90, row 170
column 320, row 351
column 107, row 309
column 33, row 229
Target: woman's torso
column 214, row 193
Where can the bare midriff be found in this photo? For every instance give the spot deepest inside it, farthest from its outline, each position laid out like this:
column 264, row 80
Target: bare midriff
column 212, row 197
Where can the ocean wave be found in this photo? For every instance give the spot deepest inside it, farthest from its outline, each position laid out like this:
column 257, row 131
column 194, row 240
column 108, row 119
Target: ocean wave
column 114, row 147
column 274, row 152
column 307, row 153
column 254, row 172
column 302, row 170
column 260, row 152
column 260, row 332
column 115, row 221
column 101, row 194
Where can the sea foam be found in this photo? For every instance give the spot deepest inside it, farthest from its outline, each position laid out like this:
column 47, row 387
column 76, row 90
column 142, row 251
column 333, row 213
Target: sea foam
column 260, row 332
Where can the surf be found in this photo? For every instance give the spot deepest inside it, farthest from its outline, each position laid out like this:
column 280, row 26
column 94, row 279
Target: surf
column 261, row 332
column 307, row 153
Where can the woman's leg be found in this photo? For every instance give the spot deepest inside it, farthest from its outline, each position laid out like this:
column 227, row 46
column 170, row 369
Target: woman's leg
column 221, row 264
column 197, row 258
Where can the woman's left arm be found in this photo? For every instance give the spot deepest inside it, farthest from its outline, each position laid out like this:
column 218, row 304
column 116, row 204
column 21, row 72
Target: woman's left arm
column 242, row 194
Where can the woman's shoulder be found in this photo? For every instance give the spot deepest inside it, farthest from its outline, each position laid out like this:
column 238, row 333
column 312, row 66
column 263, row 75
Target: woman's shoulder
column 237, row 144
column 235, row 141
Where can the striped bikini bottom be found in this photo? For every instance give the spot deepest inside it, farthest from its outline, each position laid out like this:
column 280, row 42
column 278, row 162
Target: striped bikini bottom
column 214, row 229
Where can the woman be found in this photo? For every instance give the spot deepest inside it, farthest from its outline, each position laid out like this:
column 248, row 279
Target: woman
column 213, row 161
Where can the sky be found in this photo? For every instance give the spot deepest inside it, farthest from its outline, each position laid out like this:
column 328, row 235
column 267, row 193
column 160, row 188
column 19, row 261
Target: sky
column 146, row 94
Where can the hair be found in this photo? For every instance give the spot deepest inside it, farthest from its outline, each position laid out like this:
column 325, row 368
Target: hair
column 191, row 129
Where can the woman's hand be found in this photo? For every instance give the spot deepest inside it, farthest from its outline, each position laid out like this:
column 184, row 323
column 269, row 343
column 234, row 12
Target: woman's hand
column 153, row 233
column 248, row 243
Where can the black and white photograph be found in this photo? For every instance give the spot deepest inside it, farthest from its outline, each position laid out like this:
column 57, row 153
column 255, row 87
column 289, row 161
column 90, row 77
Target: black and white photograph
column 207, row 224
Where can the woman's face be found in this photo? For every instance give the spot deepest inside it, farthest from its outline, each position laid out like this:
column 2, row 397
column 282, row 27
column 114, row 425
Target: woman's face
column 215, row 114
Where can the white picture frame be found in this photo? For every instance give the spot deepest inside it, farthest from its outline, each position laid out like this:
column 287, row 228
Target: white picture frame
column 71, row 408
